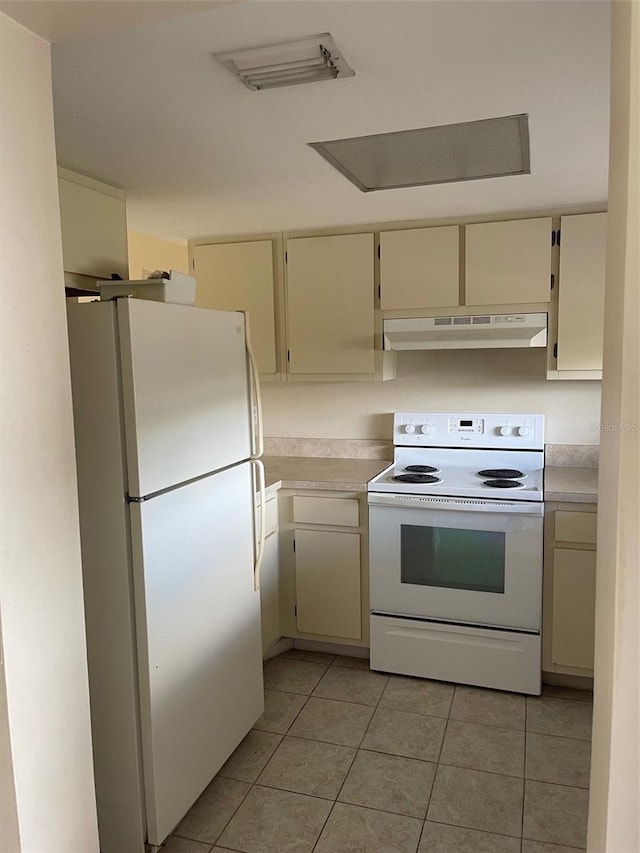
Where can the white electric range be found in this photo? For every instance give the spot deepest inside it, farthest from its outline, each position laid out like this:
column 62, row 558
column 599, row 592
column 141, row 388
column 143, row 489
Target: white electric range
column 455, row 552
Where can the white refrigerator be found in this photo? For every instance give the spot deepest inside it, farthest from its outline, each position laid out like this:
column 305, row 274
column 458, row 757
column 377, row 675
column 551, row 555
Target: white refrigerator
column 167, row 444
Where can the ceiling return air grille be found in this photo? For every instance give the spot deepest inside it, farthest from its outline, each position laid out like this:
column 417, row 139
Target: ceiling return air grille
column 305, row 61
column 488, row 148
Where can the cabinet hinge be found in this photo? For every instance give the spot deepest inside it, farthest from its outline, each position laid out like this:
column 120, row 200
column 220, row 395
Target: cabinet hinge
column 555, row 350
column 288, row 355
column 295, row 610
column 553, row 238
column 558, row 237
column 193, row 263
column 379, row 290
column 294, row 546
column 286, row 257
column 378, row 251
column 553, row 281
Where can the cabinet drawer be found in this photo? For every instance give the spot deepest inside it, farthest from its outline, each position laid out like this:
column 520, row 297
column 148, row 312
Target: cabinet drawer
column 341, row 511
column 576, row 527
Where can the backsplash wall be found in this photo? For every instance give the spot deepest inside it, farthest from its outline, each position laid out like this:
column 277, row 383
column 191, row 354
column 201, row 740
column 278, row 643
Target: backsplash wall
column 455, row 380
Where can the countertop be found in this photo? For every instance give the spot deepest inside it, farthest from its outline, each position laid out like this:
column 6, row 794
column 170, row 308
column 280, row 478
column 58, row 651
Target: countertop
column 562, row 483
column 573, row 485
column 320, row 472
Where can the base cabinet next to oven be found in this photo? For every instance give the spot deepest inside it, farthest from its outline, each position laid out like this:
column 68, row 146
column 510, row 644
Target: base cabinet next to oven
column 323, row 553
column 270, row 577
column 569, row 589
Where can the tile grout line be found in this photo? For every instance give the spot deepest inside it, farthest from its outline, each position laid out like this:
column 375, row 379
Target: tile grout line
column 524, row 772
column 357, row 750
column 287, row 735
column 438, row 760
column 253, row 784
column 437, row 764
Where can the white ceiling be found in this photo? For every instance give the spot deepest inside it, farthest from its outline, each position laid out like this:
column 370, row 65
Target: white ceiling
column 56, row 20
column 152, row 112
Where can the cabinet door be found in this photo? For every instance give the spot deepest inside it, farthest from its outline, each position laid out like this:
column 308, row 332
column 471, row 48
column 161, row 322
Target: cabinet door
column 330, row 290
column 508, row 262
column 94, row 230
column 574, row 601
column 328, row 583
column 270, row 593
column 239, row 277
column 420, row 268
column 581, row 291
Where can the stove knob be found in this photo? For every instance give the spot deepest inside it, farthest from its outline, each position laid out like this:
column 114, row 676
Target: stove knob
column 426, row 429
column 523, row 430
column 505, row 430
column 409, row 429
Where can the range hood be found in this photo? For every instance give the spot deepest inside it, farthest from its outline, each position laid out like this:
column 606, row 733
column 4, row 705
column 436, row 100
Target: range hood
column 471, row 331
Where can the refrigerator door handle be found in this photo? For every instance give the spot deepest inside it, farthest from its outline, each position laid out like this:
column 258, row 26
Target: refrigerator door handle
column 257, row 430
column 259, row 468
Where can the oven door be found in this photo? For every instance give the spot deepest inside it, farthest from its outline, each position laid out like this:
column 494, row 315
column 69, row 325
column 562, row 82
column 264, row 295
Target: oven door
column 456, row 559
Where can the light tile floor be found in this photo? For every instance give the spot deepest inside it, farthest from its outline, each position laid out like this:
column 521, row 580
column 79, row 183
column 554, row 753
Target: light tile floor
column 345, row 760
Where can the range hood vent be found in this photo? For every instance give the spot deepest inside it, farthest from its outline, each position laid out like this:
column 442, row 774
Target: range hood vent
column 473, row 331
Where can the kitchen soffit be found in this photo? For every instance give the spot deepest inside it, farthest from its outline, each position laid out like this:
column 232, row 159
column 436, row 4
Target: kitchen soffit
column 464, row 151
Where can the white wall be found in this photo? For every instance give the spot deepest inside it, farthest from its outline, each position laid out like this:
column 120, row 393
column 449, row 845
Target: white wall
column 150, row 253
column 614, row 807
column 491, row 380
column 48, row 774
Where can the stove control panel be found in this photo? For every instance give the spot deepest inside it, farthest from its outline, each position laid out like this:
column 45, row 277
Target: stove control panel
column 445, row 429
column 465, row 425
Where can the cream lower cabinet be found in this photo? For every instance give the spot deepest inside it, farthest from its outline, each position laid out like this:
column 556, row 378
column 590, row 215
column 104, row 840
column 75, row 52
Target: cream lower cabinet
column 328, row 583
column 330, row 307
column 570, row 587
column 324, row 583
column 270, row 578
column 240, row 277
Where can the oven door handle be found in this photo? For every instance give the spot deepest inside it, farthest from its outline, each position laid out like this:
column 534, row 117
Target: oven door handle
column 456, row 504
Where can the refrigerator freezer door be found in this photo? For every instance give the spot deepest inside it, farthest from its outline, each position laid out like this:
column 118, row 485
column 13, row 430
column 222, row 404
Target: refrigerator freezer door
column 185, row 390
column 199, row 643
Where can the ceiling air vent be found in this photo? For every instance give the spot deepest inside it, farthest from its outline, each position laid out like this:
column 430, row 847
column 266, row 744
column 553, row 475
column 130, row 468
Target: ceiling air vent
column 305, row 61
column 489, row 148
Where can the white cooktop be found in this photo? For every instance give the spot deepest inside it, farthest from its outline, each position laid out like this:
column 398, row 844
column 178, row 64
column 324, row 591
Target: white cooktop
column 509, row 447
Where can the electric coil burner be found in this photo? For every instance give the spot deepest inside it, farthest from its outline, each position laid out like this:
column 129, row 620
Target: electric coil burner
column 455, row 550
column 502, row 473
column 416, row 478
column 503, row 484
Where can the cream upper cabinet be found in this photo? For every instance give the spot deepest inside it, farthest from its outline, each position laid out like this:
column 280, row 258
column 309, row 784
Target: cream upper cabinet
column 420, row 268
column 508, row 262
column 583, row 247
column 239, row 277
column 330, row 305
column 93, row 221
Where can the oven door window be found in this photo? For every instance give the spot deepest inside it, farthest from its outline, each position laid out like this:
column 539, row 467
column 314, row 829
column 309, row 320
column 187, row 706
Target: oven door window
column 453, row 558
